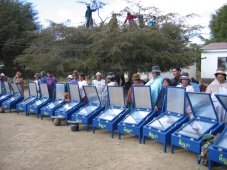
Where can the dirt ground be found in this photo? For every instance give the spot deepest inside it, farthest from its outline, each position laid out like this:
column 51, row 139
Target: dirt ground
column 30, row 143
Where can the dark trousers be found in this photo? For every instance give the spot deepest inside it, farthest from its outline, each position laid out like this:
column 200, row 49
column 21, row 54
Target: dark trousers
column 89, row 22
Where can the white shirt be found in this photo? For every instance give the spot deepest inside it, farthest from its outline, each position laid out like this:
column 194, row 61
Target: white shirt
column 189, row 88
column 100, row 86
column 81, row 84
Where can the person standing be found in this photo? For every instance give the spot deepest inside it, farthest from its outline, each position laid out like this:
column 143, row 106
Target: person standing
column 19, row 80
column 130, row 18
column 185, row 82
column 37, row 83
column 88, row 16
column 152, row 21
column 219, row 86
column 160, row 102
column 42, row 77
column 100, row 84
column 51, row 82
column 111, row 81
column 155, row 84
column 82, row 82
column 136, row 82
column 176, row 71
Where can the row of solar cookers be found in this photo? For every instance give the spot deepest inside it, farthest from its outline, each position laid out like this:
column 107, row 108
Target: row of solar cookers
column 172, row 126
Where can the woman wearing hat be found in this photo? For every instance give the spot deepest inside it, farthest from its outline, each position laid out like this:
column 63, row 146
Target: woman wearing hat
column 136, row 82
column 185, row 82
column 155, row 84
column 218, row 86
column 18, row 79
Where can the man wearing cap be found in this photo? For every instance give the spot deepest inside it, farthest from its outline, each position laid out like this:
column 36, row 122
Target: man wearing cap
column 155, row 84
column 218, row 86
column 176, row 71
column 100, row 84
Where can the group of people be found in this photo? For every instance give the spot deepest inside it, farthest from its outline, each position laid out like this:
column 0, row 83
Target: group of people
column 157, row 86
column 129, row 18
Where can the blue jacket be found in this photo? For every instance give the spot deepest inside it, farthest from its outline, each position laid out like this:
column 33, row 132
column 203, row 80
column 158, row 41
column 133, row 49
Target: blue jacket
column 156, row 86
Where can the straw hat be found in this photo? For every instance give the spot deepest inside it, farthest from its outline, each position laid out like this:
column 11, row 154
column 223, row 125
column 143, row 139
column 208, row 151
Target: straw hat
column 185, row 76
column 136, row 76
column 69, row 77
column 36, row 75
column 220, row 70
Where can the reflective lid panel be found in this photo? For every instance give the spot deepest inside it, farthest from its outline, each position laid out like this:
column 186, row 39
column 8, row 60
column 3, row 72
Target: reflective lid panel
column 116, row 96
column 142, row 97
column 175, row 100
column 44, row 90
column 202, row 105
column 223, row 100
column 74, row 92
column 60, row 91
column 222, row 142
column 92, row 94
column 7, row 88
column 32, row 89
column 15, row 88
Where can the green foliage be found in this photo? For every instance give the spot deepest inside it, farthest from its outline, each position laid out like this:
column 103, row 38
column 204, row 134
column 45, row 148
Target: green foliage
column 110, row 48
column 218, row 25
column 17, row 25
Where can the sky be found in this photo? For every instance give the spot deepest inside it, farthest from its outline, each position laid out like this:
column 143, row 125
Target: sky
column 72, row 13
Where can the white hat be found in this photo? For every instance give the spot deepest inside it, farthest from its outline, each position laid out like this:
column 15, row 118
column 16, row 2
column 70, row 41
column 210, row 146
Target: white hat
column 69, row 77
column 98, row 74
column 2, row 75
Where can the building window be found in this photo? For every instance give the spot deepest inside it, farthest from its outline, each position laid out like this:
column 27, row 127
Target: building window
column 222, row 62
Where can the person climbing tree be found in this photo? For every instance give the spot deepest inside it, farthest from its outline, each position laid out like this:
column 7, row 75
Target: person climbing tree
column 130, row 18
column 152, row 21
column 88, row 16
column 113, row 22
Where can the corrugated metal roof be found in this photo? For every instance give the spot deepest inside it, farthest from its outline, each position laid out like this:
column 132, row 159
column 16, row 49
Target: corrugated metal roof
column 215, row 46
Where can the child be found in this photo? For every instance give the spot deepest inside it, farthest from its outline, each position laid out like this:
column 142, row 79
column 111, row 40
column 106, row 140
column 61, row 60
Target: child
column 159, row 105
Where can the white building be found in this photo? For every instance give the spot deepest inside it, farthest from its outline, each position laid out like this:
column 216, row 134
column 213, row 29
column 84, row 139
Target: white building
column 213, row 56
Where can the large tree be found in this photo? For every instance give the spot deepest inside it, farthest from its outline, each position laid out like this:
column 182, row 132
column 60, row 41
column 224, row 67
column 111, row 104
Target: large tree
column 218, row 25
column 17, row 20
column 109, row 47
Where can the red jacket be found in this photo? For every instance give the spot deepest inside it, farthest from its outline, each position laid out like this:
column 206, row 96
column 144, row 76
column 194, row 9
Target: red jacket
column 130, row 18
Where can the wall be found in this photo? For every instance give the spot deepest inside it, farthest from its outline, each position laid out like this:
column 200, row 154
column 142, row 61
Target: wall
column 209, row 62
